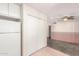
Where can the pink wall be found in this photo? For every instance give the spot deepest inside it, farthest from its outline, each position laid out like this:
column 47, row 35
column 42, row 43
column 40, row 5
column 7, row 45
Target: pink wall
column 72, row 37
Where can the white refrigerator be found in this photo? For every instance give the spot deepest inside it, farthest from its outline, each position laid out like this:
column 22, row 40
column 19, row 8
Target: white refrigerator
column 10, row 41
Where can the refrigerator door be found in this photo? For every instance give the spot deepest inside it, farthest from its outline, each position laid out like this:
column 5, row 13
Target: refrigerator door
column 9, row 26
column 10, row 44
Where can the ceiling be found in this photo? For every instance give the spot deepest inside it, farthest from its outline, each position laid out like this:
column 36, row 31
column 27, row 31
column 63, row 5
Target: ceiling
column 55, row 10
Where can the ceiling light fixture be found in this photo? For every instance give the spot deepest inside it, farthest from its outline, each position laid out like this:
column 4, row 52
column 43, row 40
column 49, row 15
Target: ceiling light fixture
column 65, row 19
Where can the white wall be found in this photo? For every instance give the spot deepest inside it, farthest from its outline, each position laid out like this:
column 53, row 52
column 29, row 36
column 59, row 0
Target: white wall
column 66, row 31
column 70, row 26
column 35, row 30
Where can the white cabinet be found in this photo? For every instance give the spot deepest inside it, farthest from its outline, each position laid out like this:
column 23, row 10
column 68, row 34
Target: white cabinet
column 10, row 10
column 14, row 10
column 10, row 44
column 3, row 8
column 9, row 26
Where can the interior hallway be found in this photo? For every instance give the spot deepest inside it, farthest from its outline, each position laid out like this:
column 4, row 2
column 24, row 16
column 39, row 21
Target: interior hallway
column 29, row 25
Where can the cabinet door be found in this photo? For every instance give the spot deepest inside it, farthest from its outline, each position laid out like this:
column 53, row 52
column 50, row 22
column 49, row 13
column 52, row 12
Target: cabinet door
column 9, row 26
column 10, row 44
column 14, row 10
column 3, row 8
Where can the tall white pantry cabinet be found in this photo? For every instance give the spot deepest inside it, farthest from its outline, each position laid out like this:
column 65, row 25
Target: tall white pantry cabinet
column 10, row 44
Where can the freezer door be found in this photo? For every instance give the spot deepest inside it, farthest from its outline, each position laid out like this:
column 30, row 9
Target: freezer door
column 10, row 44
column 9, row 26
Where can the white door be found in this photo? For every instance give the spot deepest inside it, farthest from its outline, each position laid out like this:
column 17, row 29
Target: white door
column 34, row 33
column 31, row 35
